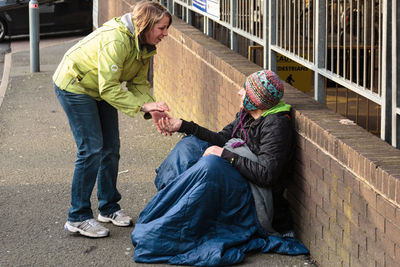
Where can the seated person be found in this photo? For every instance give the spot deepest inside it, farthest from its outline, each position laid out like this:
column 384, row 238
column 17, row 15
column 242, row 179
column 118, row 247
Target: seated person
column 218, row 192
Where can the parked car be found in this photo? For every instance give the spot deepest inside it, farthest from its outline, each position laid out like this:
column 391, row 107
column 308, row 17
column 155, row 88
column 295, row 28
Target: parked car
column 55, row 16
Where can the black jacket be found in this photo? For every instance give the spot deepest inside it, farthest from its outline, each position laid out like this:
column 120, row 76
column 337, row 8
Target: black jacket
column 271, row 138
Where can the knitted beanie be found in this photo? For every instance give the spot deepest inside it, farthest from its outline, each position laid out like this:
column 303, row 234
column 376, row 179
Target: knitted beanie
column 264, row 90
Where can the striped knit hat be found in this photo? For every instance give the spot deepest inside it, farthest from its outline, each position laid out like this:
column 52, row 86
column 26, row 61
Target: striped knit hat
column 264, row 90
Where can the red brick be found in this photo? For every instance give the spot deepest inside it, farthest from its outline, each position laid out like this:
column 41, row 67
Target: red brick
column 397, row 199
column 368, row 261
column 346, row 223
column 337, row 231
column 316, row 169
column 311, row 149
column 358, row 236
column 344, row 255
column 323, row 188
column 317, row 228
column 397, row 252
column 351, row 246
column 393, row 232
column 359, row 165
column 390, row 262
column 317, row 198
column 379, row 180
column 331, row 180
column 354, row 262
column 392, row 188
column 350, row 180
column 319, row 252
column 343, row 191
column 350, row 213
column 362, row 250
column 358, row 204
column 324, row 160
column 386, row 208
column 329, row 209
column 371, row 171
column 397, row 220
column 302, row 157
column 368, row 194
column 334, row 258
column 367, row 227
column 377, row 253
column 322, row 217
column 385, row 183
column 375, row 218
column 337, row 170
column 385, row 244
column 336, row 201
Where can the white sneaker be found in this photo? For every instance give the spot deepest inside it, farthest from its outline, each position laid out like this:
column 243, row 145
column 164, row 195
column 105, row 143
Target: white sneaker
column 118, row 218
column 89, row 228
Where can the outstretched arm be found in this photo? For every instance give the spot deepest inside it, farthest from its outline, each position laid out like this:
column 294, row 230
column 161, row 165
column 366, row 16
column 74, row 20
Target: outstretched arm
column 169, row 125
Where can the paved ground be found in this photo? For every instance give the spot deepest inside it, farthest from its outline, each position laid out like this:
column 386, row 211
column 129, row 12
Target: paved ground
column 36, row 163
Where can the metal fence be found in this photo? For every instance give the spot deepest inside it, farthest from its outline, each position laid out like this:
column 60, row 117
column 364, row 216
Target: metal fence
column 349, row 46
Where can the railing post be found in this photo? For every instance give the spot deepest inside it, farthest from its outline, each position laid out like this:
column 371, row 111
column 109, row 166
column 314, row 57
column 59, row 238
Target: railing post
column 319, row 50
column 386, row 109
column 34, row 35
column 272, row 63
column 396, row 75
column 265, row 35
column 233, row 22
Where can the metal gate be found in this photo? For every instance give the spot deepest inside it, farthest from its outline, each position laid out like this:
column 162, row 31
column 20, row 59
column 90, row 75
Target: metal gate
column 349, row 46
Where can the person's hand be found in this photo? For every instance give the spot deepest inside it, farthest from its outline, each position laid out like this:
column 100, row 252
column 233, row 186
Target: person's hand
column 169, row 125
column 157, row 116
column 155, row 106
column 213, row 150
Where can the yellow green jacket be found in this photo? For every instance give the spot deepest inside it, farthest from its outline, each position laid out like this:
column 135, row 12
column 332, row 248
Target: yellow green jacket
column 109, row 64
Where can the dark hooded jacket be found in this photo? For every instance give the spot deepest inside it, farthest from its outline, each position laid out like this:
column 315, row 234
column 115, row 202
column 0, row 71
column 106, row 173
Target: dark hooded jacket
column 271, row 138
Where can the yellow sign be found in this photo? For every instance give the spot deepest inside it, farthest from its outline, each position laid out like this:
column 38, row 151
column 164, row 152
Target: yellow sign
column 294, row 73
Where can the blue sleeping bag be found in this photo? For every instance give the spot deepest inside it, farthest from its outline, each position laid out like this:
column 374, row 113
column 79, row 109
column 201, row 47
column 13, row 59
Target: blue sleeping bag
column 203, row 214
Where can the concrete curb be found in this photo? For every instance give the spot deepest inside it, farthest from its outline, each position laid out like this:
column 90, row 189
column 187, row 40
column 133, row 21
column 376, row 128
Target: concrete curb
column 6, row 75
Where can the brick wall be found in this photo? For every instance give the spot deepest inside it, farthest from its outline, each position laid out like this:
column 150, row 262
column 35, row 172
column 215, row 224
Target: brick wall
column 345, row 195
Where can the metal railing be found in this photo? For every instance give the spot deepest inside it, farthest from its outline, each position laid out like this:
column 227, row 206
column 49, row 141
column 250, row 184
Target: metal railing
column 350, row 43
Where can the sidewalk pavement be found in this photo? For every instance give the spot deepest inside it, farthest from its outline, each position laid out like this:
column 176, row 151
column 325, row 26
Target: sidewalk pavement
column 37, row 154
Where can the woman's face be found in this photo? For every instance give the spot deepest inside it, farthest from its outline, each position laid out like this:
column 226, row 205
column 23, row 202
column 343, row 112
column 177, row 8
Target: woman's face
column 242, row 94
column 159, row 31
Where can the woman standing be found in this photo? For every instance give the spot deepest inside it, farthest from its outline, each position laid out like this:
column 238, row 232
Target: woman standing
column 103, row 73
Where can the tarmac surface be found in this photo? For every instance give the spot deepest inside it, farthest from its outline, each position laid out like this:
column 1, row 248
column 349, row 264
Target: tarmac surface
column 37, row 155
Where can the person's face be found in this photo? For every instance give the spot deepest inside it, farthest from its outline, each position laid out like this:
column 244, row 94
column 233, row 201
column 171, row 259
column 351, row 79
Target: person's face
column 242, row 94
column 159, row 31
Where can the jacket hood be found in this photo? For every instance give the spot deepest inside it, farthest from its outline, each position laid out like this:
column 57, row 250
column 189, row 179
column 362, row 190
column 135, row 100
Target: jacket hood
column 280, row 107
column 127, row 25
column 127, row 21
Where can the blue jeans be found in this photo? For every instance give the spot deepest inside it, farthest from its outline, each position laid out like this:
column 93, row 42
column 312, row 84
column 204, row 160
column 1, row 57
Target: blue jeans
column 94, row 125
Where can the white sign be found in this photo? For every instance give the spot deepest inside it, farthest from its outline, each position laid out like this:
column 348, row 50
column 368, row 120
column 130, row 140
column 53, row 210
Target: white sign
column 211, row 7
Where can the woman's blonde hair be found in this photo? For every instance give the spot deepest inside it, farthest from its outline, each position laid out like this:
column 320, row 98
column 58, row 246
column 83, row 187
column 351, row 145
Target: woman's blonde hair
column 146, row 14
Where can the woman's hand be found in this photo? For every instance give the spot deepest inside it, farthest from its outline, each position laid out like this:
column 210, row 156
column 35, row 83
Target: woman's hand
column 155, row 106
column 169, row 125
column 157, row 116
column 213, row 150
